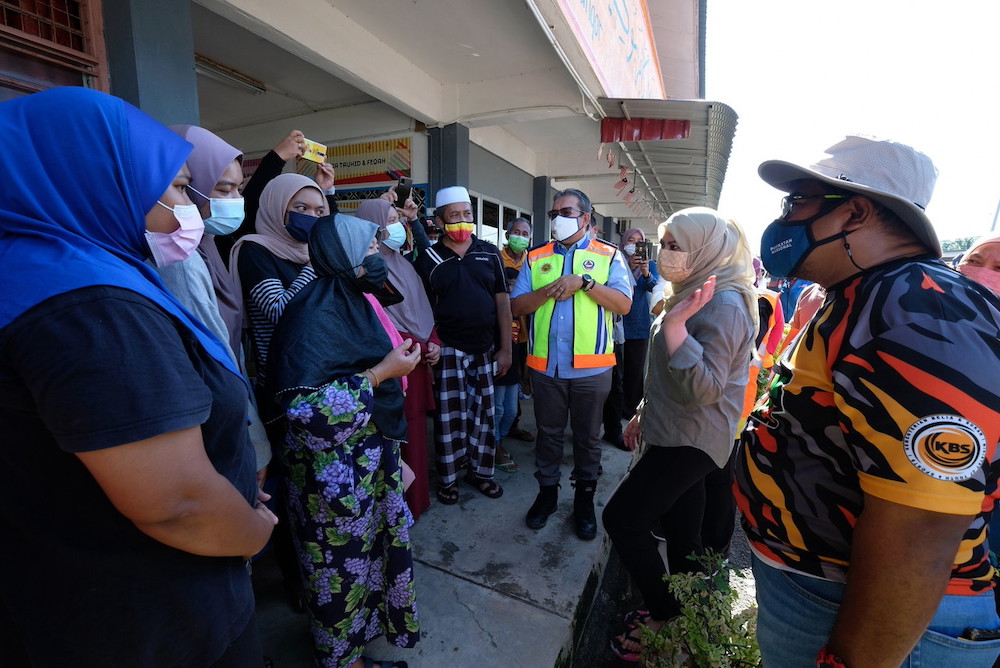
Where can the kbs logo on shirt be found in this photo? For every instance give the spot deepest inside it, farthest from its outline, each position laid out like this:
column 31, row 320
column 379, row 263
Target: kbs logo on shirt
column 945, row 447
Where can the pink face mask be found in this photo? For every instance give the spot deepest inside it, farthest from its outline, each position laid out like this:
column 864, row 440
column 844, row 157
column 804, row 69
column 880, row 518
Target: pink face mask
column 178, row 245
column 983, row 276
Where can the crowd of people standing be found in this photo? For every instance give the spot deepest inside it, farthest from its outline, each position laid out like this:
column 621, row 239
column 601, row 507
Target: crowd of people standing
column 145, row 433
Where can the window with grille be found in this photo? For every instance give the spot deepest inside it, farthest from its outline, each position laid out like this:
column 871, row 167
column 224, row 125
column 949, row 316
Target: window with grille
column 46, row 43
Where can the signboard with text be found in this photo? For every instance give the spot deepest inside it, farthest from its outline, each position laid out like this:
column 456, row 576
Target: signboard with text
column 372, row 162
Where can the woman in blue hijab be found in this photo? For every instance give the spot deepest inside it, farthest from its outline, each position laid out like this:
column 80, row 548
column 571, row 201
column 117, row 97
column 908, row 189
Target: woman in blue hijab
column 129, row 504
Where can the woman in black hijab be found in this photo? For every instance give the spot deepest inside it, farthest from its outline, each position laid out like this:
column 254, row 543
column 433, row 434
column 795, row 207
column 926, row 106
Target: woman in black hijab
column 335, row 374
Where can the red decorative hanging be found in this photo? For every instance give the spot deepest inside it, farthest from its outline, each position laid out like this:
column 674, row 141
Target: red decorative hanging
column 643, row 129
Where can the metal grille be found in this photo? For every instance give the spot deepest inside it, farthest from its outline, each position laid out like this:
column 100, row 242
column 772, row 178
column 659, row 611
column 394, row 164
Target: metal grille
column 56, row 21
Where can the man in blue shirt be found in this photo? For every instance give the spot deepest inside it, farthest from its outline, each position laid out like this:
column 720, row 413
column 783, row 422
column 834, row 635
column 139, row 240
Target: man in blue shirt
column 570, row 287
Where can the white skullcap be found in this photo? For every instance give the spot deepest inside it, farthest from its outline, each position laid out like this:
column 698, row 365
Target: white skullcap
column 451, row 195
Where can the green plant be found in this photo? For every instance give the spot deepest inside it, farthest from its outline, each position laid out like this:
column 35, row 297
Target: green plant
column 707, row 633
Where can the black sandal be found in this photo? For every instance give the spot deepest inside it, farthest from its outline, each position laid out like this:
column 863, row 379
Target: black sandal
column 486, row 486
column 448, row 495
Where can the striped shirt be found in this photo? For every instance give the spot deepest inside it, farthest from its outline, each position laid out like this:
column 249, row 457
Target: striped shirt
column 269, row 283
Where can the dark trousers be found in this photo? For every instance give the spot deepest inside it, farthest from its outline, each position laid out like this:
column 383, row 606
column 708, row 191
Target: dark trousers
column 666, row 486
column 614, row 405
column 581, row 401
column 244, row 651
column 633, row 372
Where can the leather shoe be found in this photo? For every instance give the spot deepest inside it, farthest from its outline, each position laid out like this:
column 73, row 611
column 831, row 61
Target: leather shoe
column 584, row 519
column 545, row 504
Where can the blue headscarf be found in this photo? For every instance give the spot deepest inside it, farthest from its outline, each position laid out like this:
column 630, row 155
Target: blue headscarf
column 80, row 170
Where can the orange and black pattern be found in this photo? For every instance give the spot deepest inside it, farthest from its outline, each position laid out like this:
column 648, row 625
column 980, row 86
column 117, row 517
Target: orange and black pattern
column 893, row 390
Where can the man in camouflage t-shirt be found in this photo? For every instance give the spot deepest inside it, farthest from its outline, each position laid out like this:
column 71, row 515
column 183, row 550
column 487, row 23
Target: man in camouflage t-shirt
column 870, row 471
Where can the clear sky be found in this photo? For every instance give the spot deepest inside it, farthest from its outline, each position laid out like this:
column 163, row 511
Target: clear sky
column 801, row 74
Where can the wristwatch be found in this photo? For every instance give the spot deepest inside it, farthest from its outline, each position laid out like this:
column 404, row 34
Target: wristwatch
column 588, row 283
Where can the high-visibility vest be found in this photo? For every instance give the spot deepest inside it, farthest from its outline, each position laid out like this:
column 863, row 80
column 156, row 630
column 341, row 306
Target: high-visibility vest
column 593, row 346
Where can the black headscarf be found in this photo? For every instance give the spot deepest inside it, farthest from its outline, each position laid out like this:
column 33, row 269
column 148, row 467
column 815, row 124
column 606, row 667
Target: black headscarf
column 329, row 330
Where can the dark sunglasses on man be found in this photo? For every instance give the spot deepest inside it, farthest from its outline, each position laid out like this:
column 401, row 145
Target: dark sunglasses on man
column 567, row 212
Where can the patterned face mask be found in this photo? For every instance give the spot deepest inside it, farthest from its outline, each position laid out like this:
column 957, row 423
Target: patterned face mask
column 673, row 265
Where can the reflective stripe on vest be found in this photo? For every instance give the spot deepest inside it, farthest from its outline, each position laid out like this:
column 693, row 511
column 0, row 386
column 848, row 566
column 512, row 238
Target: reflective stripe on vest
column 593, row 346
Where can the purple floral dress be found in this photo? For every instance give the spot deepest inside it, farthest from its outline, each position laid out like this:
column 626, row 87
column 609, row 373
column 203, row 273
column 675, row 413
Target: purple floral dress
column 349, row 521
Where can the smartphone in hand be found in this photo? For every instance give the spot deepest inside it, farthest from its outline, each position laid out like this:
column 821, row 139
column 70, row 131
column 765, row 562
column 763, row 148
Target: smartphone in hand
column 403, row 189
column 314, row 151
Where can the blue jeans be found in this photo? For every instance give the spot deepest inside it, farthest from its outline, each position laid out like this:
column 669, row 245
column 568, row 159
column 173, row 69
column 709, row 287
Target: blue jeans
column 796, row 613
column 505, row 399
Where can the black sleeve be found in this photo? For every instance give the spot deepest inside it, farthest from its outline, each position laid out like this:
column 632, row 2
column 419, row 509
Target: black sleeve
column 420, row 238
column 271, row 165
column 423, row 266
column 500, row 283
column 104, row 367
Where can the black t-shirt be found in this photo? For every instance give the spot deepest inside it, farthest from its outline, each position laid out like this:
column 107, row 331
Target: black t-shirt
column 91, row 369
column 462, row 292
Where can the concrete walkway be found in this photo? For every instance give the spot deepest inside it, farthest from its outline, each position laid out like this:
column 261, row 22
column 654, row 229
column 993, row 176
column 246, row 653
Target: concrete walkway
column 490, row 591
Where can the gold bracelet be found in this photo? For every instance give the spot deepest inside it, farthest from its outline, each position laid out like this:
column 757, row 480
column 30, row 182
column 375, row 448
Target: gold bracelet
column 374, row 378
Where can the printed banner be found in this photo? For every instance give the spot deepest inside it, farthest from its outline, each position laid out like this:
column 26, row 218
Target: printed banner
column 617, row 37
column 371, row 162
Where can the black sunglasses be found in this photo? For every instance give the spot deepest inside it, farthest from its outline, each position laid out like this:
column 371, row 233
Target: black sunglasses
column 789, row 201
column 566, row 213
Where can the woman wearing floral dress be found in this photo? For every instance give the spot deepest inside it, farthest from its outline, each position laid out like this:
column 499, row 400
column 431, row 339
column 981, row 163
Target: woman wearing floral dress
column 335, row 374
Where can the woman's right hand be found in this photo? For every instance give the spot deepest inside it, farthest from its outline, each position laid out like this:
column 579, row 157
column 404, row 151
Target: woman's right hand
column 399, row 362
column 291, row 146
column 632, row 433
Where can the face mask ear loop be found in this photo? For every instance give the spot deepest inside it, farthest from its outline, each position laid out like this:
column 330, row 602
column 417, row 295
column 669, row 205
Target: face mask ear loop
column 847, row 247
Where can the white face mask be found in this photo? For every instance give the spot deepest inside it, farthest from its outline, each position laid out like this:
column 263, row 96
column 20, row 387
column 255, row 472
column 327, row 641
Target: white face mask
column 629, row 249
column 563, row 227
column 180, row 244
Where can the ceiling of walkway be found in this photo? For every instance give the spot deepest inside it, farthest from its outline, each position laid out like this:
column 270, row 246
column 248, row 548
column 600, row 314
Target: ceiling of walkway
column 502, row 50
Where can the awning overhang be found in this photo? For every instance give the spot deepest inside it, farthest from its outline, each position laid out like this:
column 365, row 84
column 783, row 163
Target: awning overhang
column 667, row 175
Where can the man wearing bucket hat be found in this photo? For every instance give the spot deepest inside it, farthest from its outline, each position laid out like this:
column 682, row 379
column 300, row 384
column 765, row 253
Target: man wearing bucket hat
column 868, row 477
column 468, row 292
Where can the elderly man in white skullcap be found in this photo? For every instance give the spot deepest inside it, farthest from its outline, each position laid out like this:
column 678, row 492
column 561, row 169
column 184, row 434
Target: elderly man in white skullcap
column 467, row 290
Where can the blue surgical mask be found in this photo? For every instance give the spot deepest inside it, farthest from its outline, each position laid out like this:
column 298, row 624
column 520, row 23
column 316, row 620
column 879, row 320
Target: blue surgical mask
column 397, row 236
column 227, row 214
column 785, row 245
column 299, row 225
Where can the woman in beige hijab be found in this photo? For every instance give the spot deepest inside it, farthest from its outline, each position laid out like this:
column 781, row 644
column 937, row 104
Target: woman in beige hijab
column 699, row 353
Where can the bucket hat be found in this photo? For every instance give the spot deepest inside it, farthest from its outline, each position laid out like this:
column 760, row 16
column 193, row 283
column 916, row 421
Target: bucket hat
column 892, row 174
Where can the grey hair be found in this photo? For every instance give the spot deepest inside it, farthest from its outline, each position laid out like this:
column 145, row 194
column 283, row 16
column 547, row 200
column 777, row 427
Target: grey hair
column 511, row 224
column 579, row 195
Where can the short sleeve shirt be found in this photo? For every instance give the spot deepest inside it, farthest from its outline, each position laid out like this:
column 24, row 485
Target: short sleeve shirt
column 462, row 291
column 890, row 390
column 93, row 369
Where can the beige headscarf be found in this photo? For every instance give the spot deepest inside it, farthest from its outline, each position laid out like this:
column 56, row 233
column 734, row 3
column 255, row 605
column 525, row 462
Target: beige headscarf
column 270, row 224
column 715, row 246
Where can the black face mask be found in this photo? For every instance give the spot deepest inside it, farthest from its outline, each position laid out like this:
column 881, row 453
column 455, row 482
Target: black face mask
column 376, row 273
